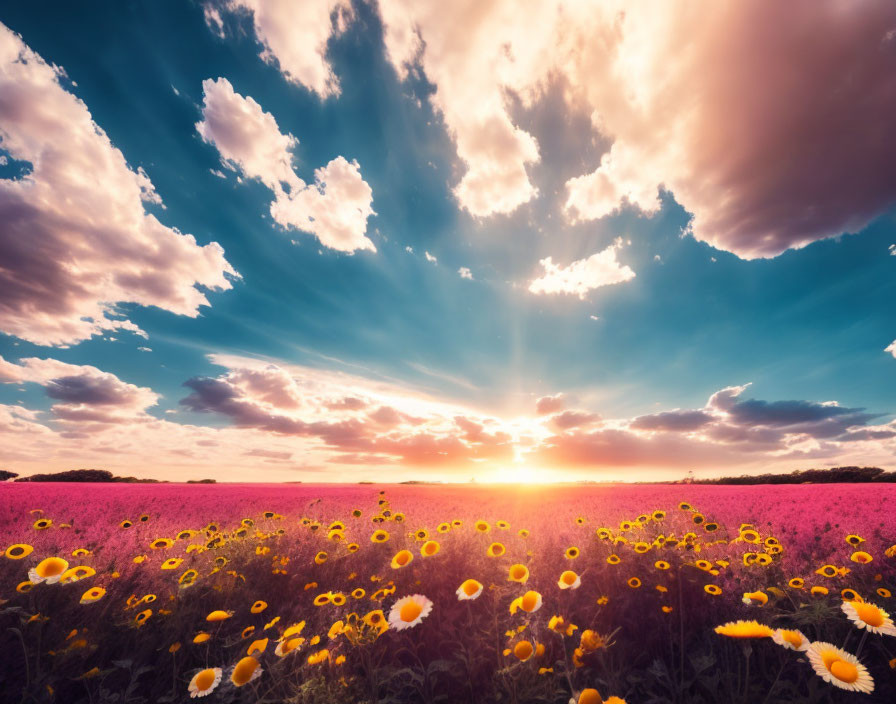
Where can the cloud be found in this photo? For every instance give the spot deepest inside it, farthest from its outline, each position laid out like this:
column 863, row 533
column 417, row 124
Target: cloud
column 892, row 348
column 690, row 99
column 293, row 35
column 335, row 208
column 82, row 393
column 550, row 404
column 256, row 417
column 76, row 239
column 465, row 273
column 600, row 269
column 430, row 257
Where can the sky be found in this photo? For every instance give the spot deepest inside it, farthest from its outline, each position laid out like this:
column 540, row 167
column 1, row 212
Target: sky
column 265, row 240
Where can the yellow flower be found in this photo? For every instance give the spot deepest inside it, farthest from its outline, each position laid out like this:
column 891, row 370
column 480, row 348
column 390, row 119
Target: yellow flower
column 827, row 571
column 409, row 611
column 757, row 598
column 42, row 524
column 712, row 589
column 358, row 593
column 482, row 527
column 320, row 558
column 18, row 551
column 49, row 570
column 258, row 607
column 862, row 557
column 430, row 548
column 258, row 646
column 569, row 580
column 92, row 595
column 245, row 671
column 790, row 639
column 530, row 602
column 572, row 553
column 634, row 582
column 588, row 696
column 142, row 617
column 744, row 629
column 379, row 536
column 495, row 550
column 870, row 617
column 661, row 565
column 204, row 682
column 613, row 559
column 73, row 574
column 523, row 650
column 839, row 668
column 202, row 637
column 469, row 590
column 219, row 615
column 518, row 573
column 172, row 563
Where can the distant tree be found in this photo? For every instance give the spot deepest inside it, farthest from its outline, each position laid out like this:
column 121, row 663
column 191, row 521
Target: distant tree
column 202, row 481
column 5, row 474
column 833, row 475
column 72, row 475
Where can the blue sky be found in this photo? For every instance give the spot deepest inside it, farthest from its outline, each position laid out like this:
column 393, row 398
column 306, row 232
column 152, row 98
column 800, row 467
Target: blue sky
column 808, row 324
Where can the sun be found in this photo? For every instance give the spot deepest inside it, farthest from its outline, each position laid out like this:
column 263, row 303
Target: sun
column 517, row 474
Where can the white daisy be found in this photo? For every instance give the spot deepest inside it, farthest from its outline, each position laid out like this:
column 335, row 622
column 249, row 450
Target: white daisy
column 409, row 611
column 205, row 681
column 840, row 668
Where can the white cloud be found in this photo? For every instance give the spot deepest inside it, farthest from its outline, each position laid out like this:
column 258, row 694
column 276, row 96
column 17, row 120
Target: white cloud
column 600, row 269
column 409, row 249
column 892, row 348
column 430, row 257
column 334, row 208
column 465, row 273
column 75, row 238
column 892, row 250
column 293, row 36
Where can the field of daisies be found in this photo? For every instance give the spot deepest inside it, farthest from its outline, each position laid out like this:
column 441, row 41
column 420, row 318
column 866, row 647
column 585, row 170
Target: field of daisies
column 554, row 594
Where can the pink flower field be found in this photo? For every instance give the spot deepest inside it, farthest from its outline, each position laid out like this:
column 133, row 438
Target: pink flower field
column 429, row 593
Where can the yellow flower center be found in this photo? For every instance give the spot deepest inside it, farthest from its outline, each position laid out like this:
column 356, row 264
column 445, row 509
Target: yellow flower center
column 793, row 638
column 243, row 671
column 870, row 614
column 51, row 567
column 470, row 587
column 410, row 611
column 523, row 650
column 205, row 679
column 844, row 671
column 530, row 599
column 568, row 577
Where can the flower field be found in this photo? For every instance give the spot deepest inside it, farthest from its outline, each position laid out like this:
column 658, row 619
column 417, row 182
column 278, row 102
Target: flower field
column 363, row 593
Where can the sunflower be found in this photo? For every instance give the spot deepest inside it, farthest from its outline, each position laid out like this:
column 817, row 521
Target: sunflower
column 523, row 650
column 854, row 540
column 712, row 589
column 634, row 582
column 73, row 574
column 258, row 646
column 704, row 565
column 379, row 536
column 661, row 565
column 750, row 535
column 219, row 615
column 337, row 599
column 641, row 547
column 850, row 595
column 126, row 524
column 376, row 619
column 337, row 536
column 569, row 580
column 409, row 611
column 870, row 617
column 711, row 527
column 827, row 571
column 518, row 573
column 49, row 570
column 142, row 617
column 757, row 598
column 523, row 533
column 245, row 671
column 580, row 521
column 247, row 631
column 572, row 553
column 503, row 525
column 482, row 527
column 358, row 593
column 172, row 563
column 258, row 607
column 18, row 551
column 204, row 682
column 763, row 559
column 202, row 637
column 430, row 548
column 188, row 579
column 93, row 594
column 698, row 518
column 161, row 543
column 862, row 557
column 603, row 533
column 42, row 524
column 614, row 559
column 469, row 590
column 819, row 591
column 744, row 629
column 495, row 550
column 796, row 583
column 287, row 646
column 322, row 599
column 884, row 593
column 840, row 668
column 402, row 559
column 80, row 552
column 320, row 558
column 353, row 547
